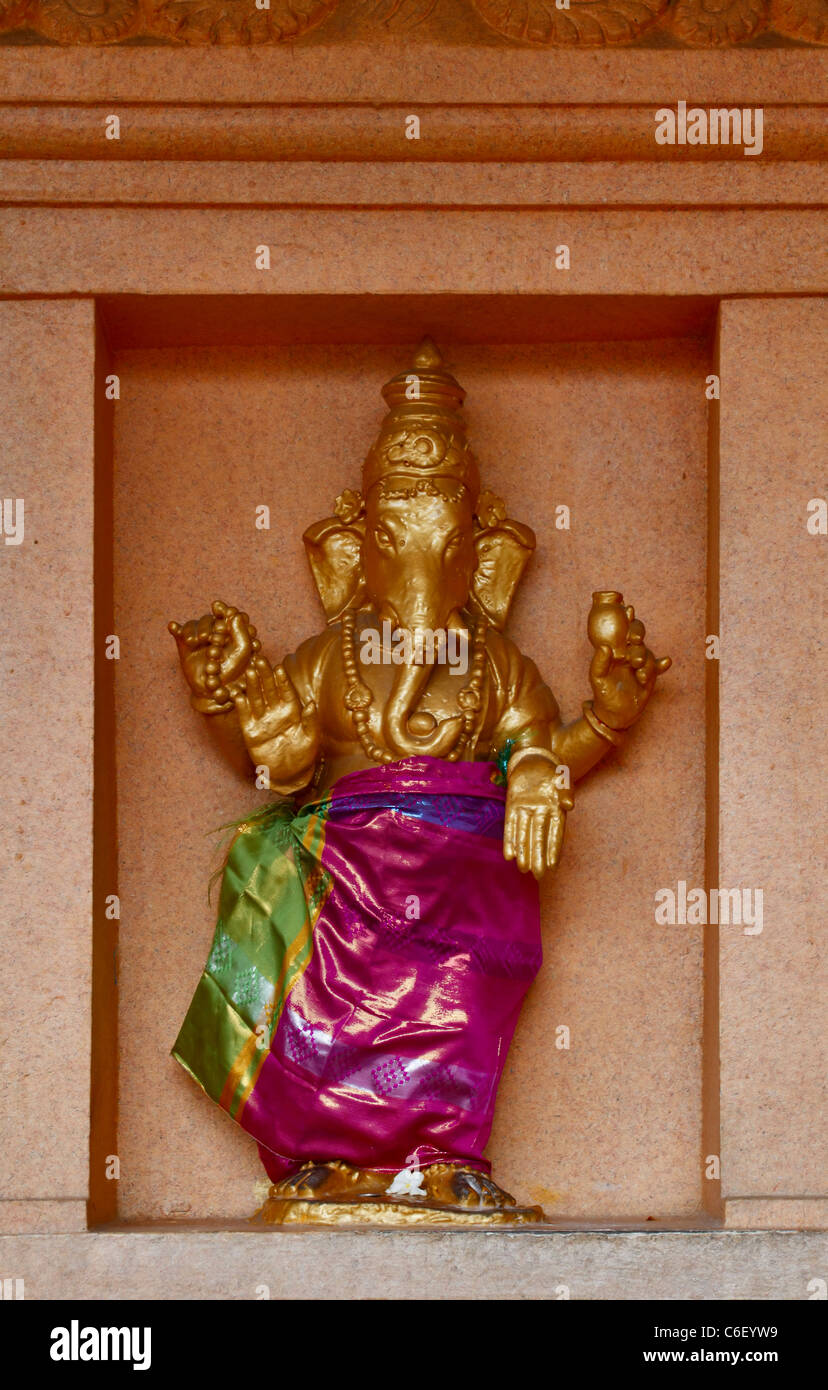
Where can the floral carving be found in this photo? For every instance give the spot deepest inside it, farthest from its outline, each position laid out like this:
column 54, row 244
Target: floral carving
column 235, row 21
column 713, row 22
column 87, row 21
column 801, row 19
column 397, row 14
column 587, row 23
column 13, row 13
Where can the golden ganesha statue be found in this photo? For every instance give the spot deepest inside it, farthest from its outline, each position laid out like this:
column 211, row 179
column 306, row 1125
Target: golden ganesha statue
column 378, row 923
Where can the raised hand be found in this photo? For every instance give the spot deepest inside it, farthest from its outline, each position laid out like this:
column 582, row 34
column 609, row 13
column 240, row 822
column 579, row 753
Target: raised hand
column 536, row 810
column 280, row 733
column 621, row 686
column 214, row 652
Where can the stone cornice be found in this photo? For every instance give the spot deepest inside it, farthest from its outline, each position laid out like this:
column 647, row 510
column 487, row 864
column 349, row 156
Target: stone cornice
column 467, row 133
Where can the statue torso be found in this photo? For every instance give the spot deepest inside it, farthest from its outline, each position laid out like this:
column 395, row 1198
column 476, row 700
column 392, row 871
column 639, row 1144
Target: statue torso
column 515, row 699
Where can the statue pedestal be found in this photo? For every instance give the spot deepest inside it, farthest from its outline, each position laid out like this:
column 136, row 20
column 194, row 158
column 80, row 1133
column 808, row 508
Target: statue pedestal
column 447, row 1195
column 288, row 1211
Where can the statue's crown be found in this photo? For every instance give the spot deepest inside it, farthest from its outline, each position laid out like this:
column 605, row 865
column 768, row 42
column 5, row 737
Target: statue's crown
column 424, row 434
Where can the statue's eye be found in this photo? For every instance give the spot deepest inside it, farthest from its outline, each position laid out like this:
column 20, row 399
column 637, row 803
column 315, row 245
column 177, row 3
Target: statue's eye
column 383, row 538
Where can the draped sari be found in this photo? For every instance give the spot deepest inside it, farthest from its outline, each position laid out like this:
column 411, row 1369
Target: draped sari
column 370, row 958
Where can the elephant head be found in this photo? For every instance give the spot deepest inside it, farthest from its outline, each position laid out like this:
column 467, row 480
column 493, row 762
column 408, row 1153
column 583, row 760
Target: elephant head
column 422, row 557
column 425, row 548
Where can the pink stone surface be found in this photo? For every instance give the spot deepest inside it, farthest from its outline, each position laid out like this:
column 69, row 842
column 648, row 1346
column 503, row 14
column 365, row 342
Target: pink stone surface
column 230, row 1267
column 611, row 1127
column 402, row 70
column 615, row 432
column 41, row 1216
column 776, row 1213
column 261, row 182
column 46, row 367
column 773, row 762
column 145, row 250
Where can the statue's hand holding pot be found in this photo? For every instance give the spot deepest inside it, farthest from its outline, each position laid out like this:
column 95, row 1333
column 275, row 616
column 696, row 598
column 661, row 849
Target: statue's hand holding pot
column 623, row 670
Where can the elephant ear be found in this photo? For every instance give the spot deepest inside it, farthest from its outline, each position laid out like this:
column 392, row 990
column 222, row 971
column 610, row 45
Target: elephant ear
column 503, row 551
column 334, row 550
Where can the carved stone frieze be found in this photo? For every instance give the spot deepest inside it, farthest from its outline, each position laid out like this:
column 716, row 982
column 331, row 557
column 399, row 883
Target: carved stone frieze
column 718, row 22
column 85, row 21
column 584, row 22
column 535, row 23
column 12, row 13
column 801, row 19
column 234, row 21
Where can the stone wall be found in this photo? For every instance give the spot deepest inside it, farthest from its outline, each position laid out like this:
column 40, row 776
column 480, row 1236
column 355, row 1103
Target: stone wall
column 588, row 386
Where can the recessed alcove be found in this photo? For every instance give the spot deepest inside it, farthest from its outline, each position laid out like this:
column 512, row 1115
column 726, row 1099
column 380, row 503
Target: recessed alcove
column 597, row 404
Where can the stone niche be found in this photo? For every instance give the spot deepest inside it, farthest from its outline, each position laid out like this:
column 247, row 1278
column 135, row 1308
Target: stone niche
column 611, row 1126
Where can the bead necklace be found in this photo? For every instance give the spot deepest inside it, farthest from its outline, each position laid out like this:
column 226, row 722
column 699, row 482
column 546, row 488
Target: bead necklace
column 358, row 698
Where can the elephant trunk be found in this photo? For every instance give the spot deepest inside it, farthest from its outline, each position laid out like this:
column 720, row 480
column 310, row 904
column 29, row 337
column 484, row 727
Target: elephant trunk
column 408, row 686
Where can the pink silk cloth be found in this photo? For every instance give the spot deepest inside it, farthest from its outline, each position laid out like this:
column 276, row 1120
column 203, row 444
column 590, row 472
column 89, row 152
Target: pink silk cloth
column 391, row 1040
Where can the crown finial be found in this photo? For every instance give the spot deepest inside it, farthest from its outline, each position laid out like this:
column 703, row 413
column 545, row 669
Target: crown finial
column 428, row 355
